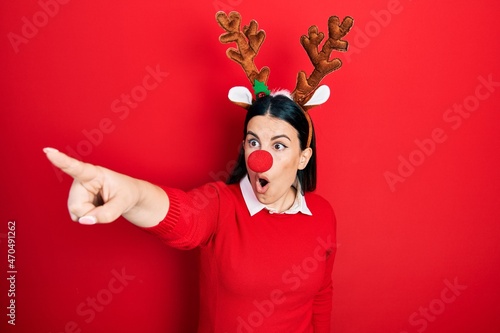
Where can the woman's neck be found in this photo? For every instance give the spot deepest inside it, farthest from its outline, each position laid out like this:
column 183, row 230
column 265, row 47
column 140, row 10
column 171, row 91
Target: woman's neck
column 285, row 202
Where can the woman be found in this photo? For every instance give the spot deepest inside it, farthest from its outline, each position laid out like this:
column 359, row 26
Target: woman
column 267, row 242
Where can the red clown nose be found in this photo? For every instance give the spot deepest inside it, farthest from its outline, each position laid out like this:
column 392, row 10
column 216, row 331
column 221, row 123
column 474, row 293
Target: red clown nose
column 260, row 161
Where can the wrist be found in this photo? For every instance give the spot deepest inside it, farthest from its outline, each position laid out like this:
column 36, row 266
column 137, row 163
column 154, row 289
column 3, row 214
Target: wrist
column 151, row 204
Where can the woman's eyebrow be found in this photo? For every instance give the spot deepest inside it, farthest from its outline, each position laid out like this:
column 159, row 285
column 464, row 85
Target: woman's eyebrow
column 273, row 138
column 281, row 136
column 253, row 134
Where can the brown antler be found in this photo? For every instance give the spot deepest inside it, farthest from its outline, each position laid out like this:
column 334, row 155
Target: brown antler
column 321, row 59
column 248, row 42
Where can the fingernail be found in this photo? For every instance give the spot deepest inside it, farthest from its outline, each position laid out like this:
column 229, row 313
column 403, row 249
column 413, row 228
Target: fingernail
column 49, row 150
column 87, row 220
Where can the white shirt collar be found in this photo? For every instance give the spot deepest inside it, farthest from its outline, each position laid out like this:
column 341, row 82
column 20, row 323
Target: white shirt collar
column 254, row 205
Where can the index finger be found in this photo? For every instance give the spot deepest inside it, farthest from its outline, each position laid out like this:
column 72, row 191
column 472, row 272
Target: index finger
column 77, row 169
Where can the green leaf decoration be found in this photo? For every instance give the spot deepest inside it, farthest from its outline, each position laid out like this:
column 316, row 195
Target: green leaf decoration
column 260, row 87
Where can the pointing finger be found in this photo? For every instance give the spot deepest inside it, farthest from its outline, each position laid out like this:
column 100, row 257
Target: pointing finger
column 78, row 170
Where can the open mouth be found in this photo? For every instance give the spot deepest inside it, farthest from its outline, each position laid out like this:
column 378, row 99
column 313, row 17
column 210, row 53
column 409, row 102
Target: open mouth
column 263, row 182
column 261, row 185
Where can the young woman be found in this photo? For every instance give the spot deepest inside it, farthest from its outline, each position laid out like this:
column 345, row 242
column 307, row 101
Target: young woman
column 267, row 242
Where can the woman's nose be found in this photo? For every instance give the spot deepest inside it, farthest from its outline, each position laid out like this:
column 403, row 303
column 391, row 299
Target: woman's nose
column 260, row 161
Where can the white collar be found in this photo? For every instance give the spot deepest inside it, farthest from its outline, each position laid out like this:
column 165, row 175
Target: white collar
column 254, row 205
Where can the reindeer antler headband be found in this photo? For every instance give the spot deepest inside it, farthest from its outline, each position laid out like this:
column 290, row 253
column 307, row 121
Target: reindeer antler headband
column 306, row 93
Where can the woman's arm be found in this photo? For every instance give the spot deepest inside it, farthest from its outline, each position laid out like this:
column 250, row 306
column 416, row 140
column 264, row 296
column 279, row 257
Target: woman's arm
column 100, row 195
column 322, row 304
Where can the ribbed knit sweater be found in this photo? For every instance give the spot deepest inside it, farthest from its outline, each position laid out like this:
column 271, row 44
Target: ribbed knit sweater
column 264, row 273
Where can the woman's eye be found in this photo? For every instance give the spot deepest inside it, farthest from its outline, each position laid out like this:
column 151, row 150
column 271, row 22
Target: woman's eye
column 279, row 146
column 253, row 143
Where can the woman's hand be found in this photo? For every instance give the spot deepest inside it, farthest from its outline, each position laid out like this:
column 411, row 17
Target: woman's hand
column 100, row 195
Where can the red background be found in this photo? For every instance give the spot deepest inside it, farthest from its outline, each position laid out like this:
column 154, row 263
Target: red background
column 402, row 241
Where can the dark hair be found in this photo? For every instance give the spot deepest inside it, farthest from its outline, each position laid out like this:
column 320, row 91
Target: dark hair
column 281, row 107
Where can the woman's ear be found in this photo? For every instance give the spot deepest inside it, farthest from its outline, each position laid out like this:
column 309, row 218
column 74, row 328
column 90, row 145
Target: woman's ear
column 305, row 156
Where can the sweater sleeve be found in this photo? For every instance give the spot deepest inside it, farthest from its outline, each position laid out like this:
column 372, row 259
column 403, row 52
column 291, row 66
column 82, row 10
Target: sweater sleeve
column 192, row 217
column 322, row 303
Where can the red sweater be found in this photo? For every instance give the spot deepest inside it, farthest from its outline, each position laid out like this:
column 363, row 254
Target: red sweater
column 263, row 273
